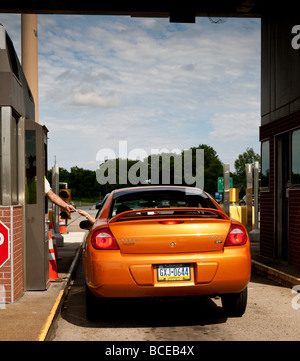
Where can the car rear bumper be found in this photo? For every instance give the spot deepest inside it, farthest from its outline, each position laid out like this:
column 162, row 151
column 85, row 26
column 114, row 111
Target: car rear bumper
column 111, row 274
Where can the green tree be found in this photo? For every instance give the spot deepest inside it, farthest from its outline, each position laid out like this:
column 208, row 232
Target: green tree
column 213, row 167
column 83, row 183
column 249, row 156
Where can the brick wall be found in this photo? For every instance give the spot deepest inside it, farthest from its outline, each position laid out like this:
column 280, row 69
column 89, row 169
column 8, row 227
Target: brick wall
column 267, row 211
column 267, row 203
column 11, row 273
column 294, row 227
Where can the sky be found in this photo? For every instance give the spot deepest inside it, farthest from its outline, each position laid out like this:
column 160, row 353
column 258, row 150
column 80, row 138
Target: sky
column 152, row 84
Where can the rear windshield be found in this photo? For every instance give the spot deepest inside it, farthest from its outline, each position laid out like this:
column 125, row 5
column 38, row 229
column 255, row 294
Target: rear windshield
column 135, row 200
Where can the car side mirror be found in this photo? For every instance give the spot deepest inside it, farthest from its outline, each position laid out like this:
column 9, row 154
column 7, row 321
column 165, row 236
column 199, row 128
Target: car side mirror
column 85, row 225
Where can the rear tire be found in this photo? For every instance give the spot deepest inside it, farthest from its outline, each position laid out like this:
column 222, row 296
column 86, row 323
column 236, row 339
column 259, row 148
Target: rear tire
column 91, row 305
column 96, row 308
column 234, row 304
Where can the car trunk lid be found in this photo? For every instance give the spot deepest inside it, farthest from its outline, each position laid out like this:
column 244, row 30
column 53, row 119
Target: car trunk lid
column 162, row 232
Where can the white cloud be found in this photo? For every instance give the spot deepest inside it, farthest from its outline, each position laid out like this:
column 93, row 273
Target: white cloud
column 148, row 81
column 92, row 99
column 233, row 125
column 233, row 132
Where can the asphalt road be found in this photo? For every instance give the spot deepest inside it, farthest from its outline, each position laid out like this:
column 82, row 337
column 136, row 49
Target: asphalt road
column 273, row 313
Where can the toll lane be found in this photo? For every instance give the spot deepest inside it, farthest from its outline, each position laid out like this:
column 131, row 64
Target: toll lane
column 270, row 315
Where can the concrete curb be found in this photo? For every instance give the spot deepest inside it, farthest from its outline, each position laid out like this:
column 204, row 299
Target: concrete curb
column 274, row 274
column 49, row 325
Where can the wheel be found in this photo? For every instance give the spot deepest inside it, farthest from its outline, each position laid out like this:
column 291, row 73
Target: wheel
column 96, row 308
column 91, row 305
column 234, row 304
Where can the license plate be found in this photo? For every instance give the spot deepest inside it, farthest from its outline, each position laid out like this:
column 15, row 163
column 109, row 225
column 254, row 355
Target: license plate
column 173, row 272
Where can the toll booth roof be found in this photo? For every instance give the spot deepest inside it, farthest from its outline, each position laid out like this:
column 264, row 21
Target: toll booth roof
column 14, row 89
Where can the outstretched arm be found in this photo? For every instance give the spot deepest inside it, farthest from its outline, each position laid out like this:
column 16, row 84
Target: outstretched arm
column 58, row 201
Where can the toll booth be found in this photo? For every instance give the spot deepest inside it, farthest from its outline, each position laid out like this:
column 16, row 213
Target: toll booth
column 23, row 164
column 37, row 247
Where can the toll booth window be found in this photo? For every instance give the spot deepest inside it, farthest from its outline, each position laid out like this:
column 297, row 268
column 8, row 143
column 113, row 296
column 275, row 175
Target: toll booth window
column 265, row 164
column 30, row 158
column 295, row 157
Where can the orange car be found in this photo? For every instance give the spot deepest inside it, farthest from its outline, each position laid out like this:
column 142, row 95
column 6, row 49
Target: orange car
column 166, row 241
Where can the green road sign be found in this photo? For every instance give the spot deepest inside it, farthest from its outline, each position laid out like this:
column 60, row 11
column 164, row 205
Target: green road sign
column 221, row 184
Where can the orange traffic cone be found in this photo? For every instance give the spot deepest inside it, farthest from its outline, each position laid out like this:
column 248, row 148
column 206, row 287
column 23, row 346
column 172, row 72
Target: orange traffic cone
column 62, row 226
column 51, row 234
column 53, row 276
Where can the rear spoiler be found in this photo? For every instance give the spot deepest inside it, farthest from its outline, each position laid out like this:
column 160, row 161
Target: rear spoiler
column 178, row 212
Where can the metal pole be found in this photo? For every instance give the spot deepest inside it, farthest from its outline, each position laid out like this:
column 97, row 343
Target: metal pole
column 55, row 186
column 256, row 181
column 255, row 233
column 5, row 156
column 249, row 196
column 29, row 35
column 226, row 176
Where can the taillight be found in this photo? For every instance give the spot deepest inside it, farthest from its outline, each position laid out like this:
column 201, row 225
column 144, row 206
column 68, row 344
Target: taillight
column 170, row 222
column 104, row 239
column 236, row 236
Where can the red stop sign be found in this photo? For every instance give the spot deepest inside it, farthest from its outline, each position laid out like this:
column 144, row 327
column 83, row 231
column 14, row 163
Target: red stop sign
column 4, row 244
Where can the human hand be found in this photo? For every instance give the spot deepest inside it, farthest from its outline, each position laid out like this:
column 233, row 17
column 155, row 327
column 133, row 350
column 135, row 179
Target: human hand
column 71, row 208
column 82, row 213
